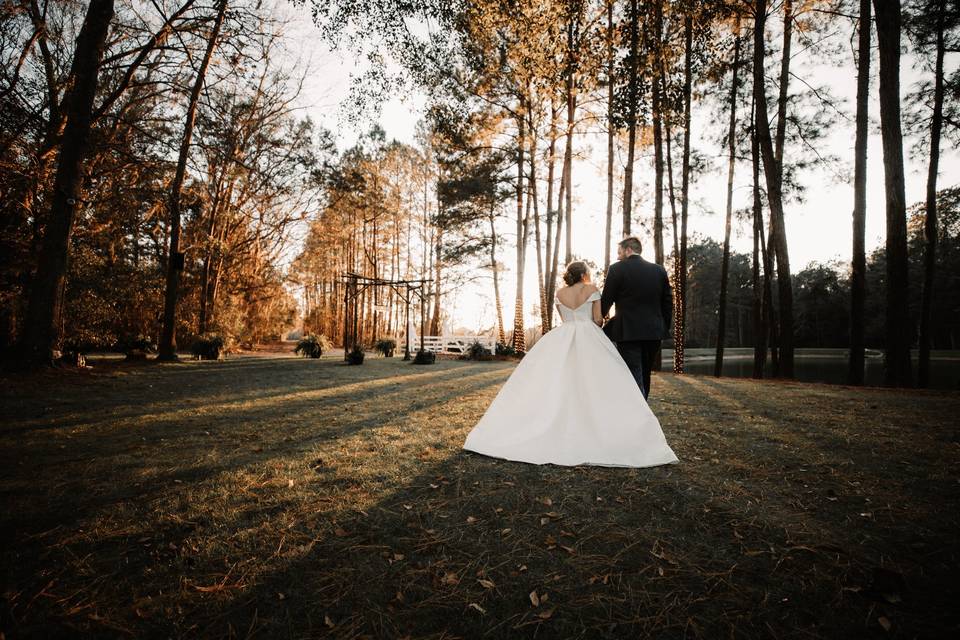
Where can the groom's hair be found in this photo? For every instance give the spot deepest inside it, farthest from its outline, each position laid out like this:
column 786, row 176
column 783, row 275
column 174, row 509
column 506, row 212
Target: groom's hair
column 632, row 243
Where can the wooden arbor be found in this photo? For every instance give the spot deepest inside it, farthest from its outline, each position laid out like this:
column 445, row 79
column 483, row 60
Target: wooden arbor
column 357, row 284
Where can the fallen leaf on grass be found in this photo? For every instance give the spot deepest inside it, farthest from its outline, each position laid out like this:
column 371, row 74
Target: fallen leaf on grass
column 547, row 501
column 471, row 519
column 534, row 598
column 450, row 578
column 545, row 615
column 327, row 621
column 487, row 584
column 884, row 622
column 474, row 605
column 341, row 533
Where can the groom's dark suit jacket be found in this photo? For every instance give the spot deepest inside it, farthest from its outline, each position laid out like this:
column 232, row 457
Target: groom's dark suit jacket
column 641, row 291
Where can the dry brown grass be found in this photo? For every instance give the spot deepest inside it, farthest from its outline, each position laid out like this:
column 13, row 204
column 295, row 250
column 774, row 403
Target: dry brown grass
column 284, row 498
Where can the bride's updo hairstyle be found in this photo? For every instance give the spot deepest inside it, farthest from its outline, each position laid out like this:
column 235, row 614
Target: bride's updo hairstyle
column 575, row 272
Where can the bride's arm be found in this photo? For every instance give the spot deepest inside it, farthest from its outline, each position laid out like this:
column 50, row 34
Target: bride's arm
column 597, row 315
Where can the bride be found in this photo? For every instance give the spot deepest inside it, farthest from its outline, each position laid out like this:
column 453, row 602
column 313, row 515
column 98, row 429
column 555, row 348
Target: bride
column 572, row 400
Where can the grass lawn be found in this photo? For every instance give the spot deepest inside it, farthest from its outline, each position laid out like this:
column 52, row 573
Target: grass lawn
column 285, row 498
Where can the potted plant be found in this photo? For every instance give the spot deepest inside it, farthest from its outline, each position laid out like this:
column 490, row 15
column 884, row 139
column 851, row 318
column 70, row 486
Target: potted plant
column 425, row 357
column 136, row 347
column 505, row 349
column 477, row 351
column 356, row 355
column 310, row 346
column 209, row 346
column 386, row 347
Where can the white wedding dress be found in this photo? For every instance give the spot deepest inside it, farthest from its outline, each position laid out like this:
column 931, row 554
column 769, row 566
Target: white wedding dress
column 572, row 401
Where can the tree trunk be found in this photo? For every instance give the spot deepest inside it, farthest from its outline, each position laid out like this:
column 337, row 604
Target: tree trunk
column 519, row 341
column 930, row 222
column 633, row 93
column 571, row 122
column 554, row 269
column 680, row 309
column 657, row 107
column 725, row 265
column 501, row 334
column 670, row 189
column 611, row 135
column 532, row 197
column 774, row 197
column 550, row 249
column 784, row 85
column 759, row 326
column 167, row 349
column 435, row 328
column 858, row 263
column 45, row 306
column 898, row 328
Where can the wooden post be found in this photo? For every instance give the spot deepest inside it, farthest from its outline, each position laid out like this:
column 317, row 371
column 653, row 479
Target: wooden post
column 406, row 325
column 423, row 316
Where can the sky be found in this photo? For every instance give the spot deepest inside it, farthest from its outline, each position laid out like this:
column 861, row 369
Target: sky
column 819, row 227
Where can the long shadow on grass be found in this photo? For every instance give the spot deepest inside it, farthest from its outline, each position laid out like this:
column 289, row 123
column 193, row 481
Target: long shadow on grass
column 224, row 386
column 389, row 530
column 155, row 458
column 458, row 550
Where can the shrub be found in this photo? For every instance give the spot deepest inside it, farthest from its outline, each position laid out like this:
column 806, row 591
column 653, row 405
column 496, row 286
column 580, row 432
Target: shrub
column 209, row 346
column 425, row 357
column 477, row 351
column 72, row 358
column 356, row 355
column 505, row 349
column 311, row 346
column 136, row 347
column 386, row 346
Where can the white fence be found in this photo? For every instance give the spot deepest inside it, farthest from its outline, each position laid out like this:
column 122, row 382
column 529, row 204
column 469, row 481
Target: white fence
column 452, row 344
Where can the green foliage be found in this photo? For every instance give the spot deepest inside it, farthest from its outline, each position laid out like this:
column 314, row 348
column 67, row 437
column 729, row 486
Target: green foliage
column 356, row 355
column 425, row 357
column 209, row 346
column 505, row 349
column 386, row 347
column 478, row 352
column 312, row 346
column 135, row 345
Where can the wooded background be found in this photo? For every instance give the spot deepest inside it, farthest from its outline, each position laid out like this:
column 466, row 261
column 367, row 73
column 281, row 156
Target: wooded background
column 155, row 168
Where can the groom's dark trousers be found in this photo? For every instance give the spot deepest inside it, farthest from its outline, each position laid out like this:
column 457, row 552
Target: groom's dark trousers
column 639, row 356
column 644, row 308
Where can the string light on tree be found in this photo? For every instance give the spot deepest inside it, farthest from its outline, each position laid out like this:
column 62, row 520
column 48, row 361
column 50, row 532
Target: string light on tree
column 519, row 341
column 677, row 319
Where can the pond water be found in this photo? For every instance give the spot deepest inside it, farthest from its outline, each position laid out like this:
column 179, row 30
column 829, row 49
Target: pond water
column 821, row 365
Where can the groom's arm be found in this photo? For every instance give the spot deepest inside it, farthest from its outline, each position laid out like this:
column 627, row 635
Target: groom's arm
column 666, row 302
column 611, row 286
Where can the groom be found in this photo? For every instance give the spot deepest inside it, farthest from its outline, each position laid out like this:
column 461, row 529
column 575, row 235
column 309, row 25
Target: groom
column 641, row 291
